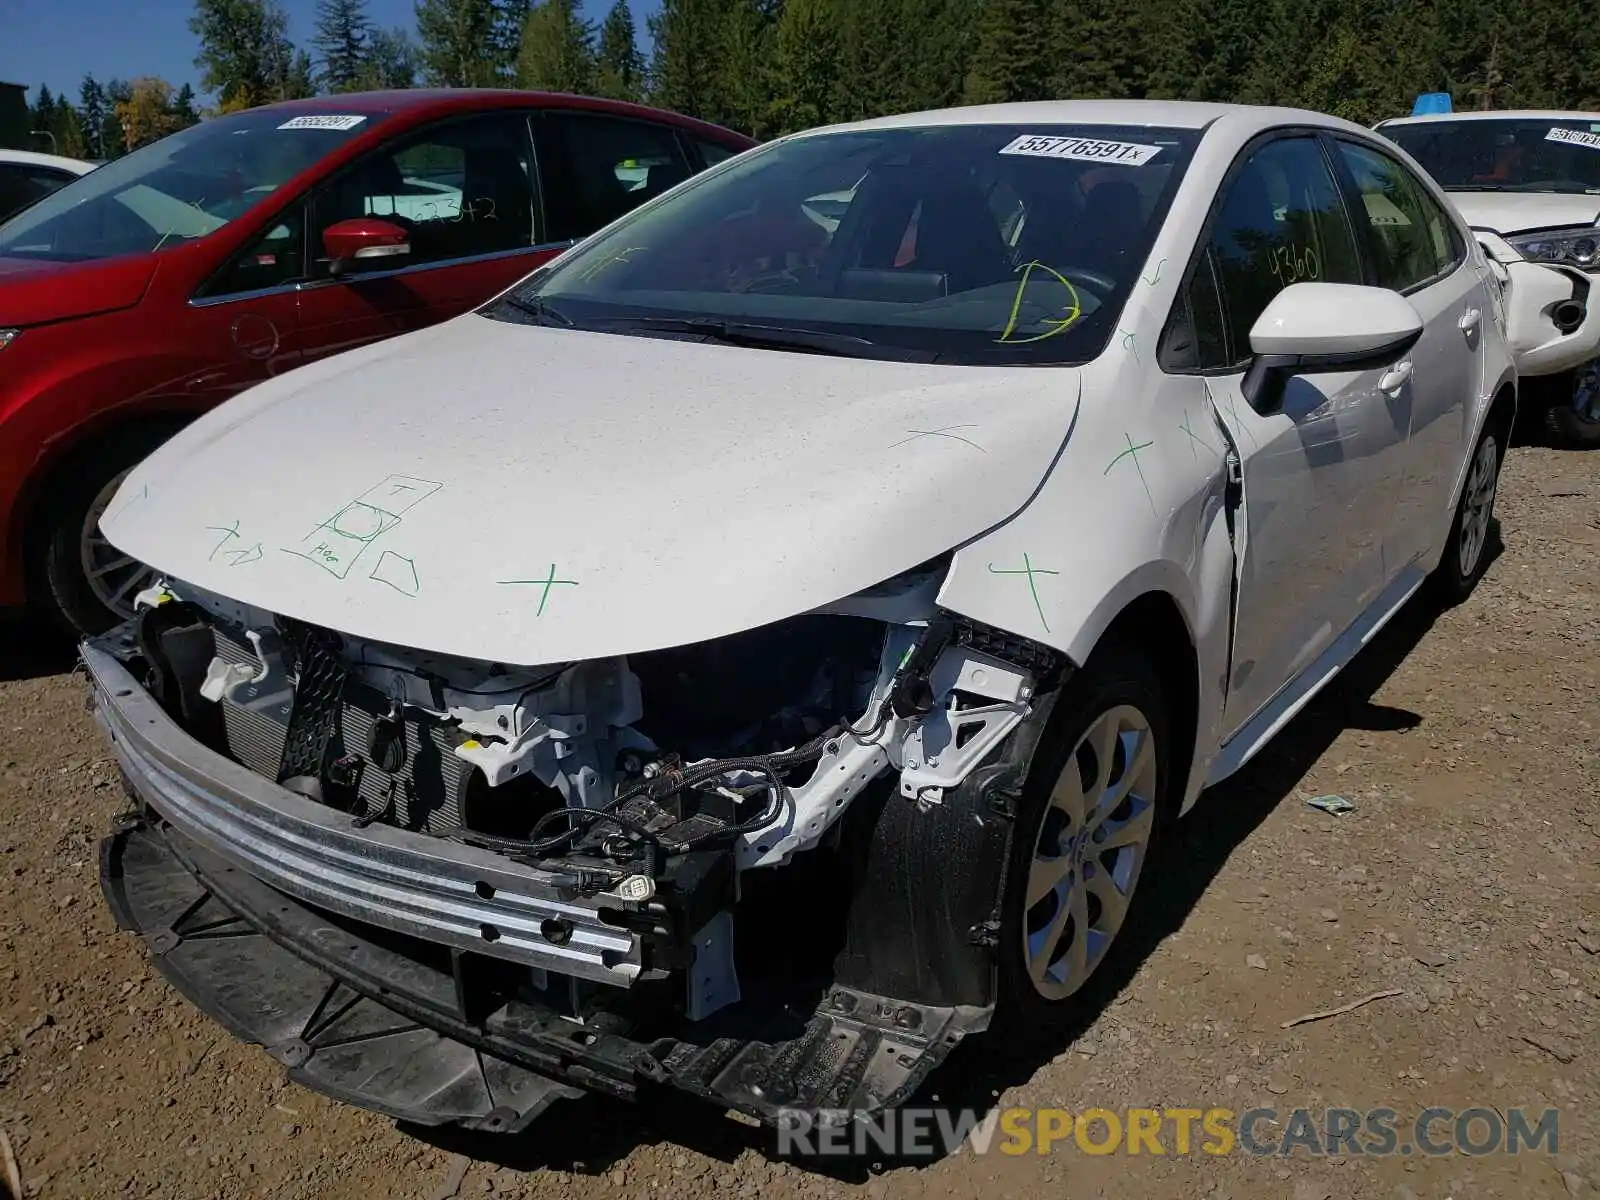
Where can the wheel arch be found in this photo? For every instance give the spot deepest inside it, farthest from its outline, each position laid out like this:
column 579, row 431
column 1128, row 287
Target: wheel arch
column 1154, row 622
column 54, row 468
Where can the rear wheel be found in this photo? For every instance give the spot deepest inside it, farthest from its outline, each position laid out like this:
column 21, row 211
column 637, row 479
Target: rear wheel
column 1466, row 554
column 88, row 584
column 1575, row 420
column 1095, row 813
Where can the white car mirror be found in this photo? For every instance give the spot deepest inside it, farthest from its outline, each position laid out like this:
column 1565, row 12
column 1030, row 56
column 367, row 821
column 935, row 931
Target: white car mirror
column 1312, row 327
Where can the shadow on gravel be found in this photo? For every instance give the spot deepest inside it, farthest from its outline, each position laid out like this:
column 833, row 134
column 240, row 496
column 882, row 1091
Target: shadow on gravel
column 30, row 649
column 591, row 1136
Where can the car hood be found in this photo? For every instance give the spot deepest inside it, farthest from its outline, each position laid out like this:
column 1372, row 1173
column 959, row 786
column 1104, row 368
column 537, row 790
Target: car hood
column 34, row 292
column 1518, row 212
column 533, row 495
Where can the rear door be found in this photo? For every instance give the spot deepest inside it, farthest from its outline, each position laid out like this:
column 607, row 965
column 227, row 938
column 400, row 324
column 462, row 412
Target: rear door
column 1414, row 248
column 597, row 166
column 465, row 190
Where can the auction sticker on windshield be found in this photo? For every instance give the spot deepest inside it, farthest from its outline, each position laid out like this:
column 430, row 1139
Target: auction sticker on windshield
column 323, row 121
column 1574, row 137
column 1082, row 149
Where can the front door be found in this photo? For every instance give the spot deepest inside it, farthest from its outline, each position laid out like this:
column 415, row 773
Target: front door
column 464, row 190
column 1318, row 476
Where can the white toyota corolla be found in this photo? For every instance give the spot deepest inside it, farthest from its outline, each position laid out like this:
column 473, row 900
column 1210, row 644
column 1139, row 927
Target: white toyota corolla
column 756, row 652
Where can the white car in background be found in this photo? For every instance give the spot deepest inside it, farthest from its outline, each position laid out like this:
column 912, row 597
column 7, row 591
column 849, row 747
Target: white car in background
column 1528, row 183
column 26, row 176
column 753, row 654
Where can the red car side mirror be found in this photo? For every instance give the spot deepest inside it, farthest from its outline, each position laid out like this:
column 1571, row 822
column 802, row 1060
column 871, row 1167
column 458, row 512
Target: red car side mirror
column 361, row 238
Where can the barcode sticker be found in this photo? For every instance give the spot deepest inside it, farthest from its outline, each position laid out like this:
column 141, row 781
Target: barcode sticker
column 1574, row 137
column 1079, row 149
column 320, row 121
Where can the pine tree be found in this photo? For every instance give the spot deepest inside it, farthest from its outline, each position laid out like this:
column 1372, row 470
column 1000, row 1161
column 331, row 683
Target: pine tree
column 40, row 117
column 462, row 43
column 343, row 38
column 93, row 107
column 391, row 61
column 557, row 49
column 118, row 92
column 1012, row 57
column 183, row 110
column 1102, row 49
column 620, row 68
column 744, row 69
column 245, row 56
column 685, row 74
column 807, row 65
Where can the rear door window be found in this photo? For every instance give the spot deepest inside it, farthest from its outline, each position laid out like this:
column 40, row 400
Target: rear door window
column 597, row 167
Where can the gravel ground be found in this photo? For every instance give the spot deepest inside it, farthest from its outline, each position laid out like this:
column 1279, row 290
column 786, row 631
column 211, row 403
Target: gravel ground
column 1468, row 877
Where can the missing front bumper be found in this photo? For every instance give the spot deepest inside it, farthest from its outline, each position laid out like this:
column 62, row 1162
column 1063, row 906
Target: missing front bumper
column 355, row 957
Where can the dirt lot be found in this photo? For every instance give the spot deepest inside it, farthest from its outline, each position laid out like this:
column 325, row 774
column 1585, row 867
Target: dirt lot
column 1468, row 876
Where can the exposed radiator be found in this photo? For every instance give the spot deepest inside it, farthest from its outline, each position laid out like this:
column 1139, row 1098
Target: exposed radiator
column 426, row 790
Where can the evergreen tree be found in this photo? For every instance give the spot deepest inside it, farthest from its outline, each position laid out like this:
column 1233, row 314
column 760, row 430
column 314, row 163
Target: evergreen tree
column 462, row 43
column 391, row 61
column 620, row 67
column 93, row 108
column 807, row 64
column 744, row 70
column 183, row 110
column 40, row 117
column 685, row 74
column 1012, row 57
column 557, row 49
column 245, row 56
column 343, row 38
column 118, row 92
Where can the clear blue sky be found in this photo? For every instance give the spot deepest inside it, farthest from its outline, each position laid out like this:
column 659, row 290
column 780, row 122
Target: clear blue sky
column 55, row 42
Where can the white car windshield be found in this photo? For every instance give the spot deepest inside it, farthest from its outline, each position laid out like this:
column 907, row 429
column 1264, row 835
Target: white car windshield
column 177, row 189
column 1521, row 154
column 958, row 243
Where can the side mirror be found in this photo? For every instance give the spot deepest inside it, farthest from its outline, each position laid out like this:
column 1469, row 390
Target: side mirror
column 1314, row 327
column 361, row 238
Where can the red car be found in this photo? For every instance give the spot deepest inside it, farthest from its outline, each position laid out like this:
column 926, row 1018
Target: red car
column 161, row 284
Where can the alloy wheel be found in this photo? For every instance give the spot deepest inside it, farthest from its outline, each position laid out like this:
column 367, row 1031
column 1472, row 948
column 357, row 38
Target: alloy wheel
column 1089, row 851
column 1477, row 506
column 114, row 578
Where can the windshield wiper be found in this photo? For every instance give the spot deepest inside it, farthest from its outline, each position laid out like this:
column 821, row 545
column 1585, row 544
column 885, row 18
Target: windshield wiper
column 1476, row 187
column 540, row 311
column 776, row 337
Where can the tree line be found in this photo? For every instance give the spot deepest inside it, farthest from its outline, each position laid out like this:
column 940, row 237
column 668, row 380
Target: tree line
column 767, row 67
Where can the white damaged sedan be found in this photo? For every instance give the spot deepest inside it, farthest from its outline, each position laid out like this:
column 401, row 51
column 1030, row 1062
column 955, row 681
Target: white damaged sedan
column 757, row 652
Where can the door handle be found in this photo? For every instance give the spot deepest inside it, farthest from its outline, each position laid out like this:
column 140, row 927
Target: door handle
column 1394, row 378
column 1470, row 320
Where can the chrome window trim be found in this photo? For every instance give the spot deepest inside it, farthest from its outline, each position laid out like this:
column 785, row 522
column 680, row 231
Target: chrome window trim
column 305, row 285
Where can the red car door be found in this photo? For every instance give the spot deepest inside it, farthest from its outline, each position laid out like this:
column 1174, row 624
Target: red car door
column 242, row 323
column 464, row 191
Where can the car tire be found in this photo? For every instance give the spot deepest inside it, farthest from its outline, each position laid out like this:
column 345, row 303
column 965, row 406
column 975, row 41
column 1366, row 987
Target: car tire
column 86, row 586
column 1574, row 421
column 1466, row 552
column 1087, row 832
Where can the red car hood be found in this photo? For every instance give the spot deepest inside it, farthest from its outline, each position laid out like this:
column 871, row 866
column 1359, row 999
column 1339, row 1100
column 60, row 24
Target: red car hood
column 34, row 292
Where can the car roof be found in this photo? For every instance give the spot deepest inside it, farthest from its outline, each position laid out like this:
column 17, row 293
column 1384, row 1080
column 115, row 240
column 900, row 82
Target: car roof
column 417, row 104
column 33, row 158
column 1506, row 114
column 1244, row 119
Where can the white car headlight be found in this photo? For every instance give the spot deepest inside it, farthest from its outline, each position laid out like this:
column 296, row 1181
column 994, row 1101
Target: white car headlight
column 1571, row 247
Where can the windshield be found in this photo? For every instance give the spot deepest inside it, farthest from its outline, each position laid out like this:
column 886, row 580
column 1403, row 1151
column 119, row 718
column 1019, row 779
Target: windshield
column 970, row 244
column 1514, row 154
column 182, row 187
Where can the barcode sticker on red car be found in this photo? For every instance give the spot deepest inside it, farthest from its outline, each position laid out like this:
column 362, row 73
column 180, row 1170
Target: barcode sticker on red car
column 323, row 121
column 1080, row 149
column 1574, row 137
